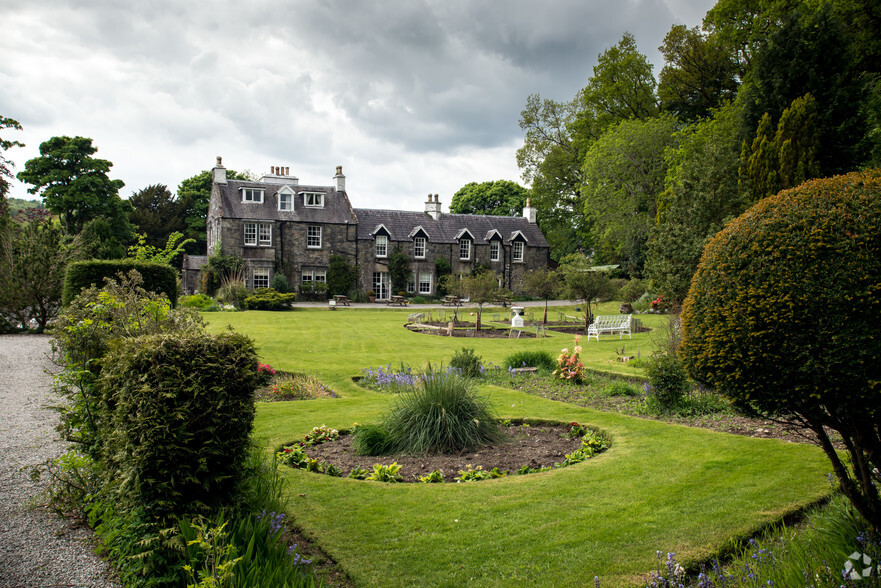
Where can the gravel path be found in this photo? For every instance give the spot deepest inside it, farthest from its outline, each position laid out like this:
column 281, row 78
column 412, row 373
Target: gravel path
column 37, row 548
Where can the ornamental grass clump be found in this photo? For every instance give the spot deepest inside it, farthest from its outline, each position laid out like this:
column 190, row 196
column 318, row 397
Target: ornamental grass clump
column 443, row 415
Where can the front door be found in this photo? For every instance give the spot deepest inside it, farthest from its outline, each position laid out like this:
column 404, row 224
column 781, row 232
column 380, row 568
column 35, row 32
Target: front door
column 381, row 285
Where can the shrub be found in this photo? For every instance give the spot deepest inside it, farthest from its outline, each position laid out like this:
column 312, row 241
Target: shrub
column 280, row 283
column 197, row 301
column 632, row 290
column 269, row 299
column 157, row 277
column 220, row 266
column 542, row 360
column 315, row 291
column 569, row 365
column 182, row 409
column 298, row 387
column 619, row 388
column 669, row 380
column 232, row 289
column 443, row 415
column 467, row 362
column 341, row 276
column 782, row 318
column 83, row 336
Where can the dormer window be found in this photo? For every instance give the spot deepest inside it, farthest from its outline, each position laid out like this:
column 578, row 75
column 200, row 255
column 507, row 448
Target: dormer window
column 285, row 201
column 494, row 250
column 381, row 246
column 252, row 195
column 313, row 199
column 419, row 247
column 464, row 249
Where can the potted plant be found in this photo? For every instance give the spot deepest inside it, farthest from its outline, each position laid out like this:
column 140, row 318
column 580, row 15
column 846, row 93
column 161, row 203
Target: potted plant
column 371, row 296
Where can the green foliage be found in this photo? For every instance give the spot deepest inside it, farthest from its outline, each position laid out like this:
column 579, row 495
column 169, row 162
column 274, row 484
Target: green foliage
column 386, row 473
column 197, row 301
column 269, row 299
column 442, row 269
column 280, row 283
column 669, row 381
column 371, row 439
column 232, row 289
column 298, row 387
column 101, row 239
column 542, row 283
column 435, row 477
column 699, row 74
column 623, row 175
column 569, row 364
column 181, row 411
column 543, row 360
column 777, row 318
column 444, row 415
column 218, row 268
column 143, row 252
column 784, row 159
column 619, row 388
column 472, row 474
column 702, row 193
column 341, row 276
column 33, row 258
column 316, row 291
column 155, row 277
column 467, row 362
column 582, row 282
column 82, row 338
column 195, row 193
column 499, row 198
column 6, row 168
column 74, row 184
column 157, row 214
column 631, row 290
column 399, row 269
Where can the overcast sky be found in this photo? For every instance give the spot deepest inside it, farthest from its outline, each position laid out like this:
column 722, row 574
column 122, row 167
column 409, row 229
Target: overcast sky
column 410, row 96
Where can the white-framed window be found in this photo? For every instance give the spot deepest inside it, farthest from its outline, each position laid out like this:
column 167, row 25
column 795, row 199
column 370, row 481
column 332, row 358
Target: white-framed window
column 411, row 286
column 464, row 248
column 313, row 237
column 425, row 282
column 517, row 251
column 250, row 233
column 419, row 247
column 313, row 199
column 381, row 246
column 494, row 251
column 313, row 275
column 261, row 277
column 264, row 234
column 285, row 201
column 252, row 195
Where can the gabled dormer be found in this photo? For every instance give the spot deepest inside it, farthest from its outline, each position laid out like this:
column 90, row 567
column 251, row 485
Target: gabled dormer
column 466, row 244
column 494, row 238
column 286, row 196
column 518, row 246
column 420, row 242
column 381, row 239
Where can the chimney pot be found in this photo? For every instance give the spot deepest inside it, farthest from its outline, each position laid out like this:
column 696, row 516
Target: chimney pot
column 219, row 163
column 287, row 171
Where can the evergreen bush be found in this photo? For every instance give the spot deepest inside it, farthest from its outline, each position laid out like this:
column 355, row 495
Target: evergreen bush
column 269, row 299
column 782, row 317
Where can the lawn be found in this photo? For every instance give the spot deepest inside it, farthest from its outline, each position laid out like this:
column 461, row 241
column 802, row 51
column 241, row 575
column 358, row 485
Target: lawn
column 660, row 487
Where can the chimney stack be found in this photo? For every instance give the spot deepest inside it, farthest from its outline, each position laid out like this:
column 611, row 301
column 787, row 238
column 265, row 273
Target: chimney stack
column 279, row 175
column 529, row 211
column 433, row 207
column 219, row 172
column 339, row 180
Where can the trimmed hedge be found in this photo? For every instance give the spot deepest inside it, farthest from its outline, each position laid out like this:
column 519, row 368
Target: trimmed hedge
column 182, row 410
column 158, row 277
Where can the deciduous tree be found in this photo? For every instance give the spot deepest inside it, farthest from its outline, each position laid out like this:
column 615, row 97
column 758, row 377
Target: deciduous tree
column 542, row 283
column 499, row 198
column 6, row 166
column 74, row 184
column 582, row 282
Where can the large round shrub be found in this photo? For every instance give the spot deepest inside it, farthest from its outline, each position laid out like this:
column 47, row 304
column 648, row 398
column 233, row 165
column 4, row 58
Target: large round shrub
column 783, row 317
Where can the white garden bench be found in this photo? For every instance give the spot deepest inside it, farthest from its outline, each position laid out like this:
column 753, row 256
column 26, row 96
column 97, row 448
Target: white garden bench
column 616, row 323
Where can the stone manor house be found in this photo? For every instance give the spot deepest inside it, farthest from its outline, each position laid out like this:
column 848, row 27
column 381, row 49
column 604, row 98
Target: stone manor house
column 276, row 224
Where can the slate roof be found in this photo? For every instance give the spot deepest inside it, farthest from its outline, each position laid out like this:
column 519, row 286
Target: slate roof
column 401, row 223
column 337, row 208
